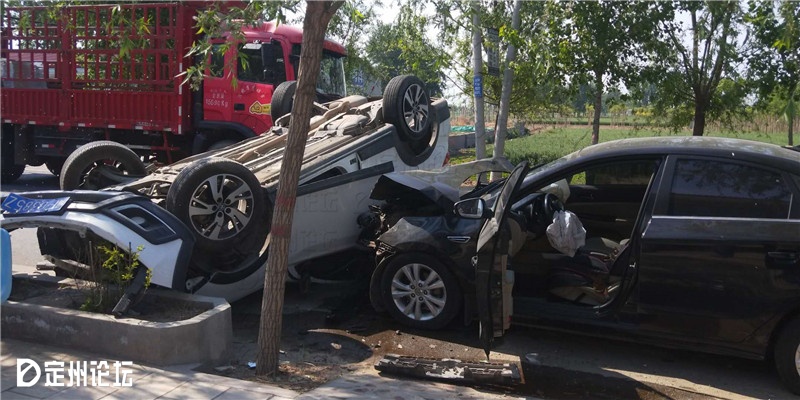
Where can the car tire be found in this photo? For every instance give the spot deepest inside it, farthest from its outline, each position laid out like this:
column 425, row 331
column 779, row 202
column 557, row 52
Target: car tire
column 282, row 99
column 431, row 305
column 100, row 164
column 407, row 106
column 236, row 220
column 787, row 355
column 416, row 152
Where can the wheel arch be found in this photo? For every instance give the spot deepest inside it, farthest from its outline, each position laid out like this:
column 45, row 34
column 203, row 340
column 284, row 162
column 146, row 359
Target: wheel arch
column 778, row 328
column 382, row 262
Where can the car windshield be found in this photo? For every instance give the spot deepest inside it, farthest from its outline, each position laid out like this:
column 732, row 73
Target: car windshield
column 491, row 196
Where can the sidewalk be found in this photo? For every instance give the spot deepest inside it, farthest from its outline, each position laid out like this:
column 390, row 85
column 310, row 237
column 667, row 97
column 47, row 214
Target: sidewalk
column 180, row 382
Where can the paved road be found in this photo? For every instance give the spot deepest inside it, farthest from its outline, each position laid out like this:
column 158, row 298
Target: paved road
column 588, row 363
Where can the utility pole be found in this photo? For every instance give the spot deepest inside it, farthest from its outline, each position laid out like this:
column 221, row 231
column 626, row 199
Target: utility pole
column 477, row 81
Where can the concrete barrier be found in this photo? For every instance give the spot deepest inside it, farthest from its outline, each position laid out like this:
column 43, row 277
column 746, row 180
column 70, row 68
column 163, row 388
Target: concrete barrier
column 204, row 338
column 461, row 141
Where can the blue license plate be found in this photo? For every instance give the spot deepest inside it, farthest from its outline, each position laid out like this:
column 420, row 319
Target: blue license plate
column 16, row 204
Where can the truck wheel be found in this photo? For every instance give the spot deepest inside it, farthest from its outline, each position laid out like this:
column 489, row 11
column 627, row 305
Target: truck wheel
column 223, row 204
column 9, row 172
column 282, row 99
column 100, row 164
column 787, row 355
column 406, row 105
column 55, row 166
column 419, row 291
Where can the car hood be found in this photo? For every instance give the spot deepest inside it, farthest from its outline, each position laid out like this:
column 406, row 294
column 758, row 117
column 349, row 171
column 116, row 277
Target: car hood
column 402, row 186
column 439, row 186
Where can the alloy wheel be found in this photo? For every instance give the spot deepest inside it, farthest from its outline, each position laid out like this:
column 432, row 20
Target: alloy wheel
column 418, row 292
column 221, row 206
column 415, row 108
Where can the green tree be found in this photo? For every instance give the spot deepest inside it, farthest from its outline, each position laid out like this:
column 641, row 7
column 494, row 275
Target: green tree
column 402, row 48
column 606, row 43
column 701, row 57
column 774, row 58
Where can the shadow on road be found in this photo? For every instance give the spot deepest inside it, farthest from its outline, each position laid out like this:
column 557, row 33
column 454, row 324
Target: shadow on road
column 35, row 178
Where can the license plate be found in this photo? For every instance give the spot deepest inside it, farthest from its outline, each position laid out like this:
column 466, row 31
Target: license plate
column 16, row 204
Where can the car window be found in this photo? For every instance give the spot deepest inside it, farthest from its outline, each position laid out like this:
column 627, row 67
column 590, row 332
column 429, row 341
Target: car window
column 620, row 173
column 707, row 188
column 478, row 181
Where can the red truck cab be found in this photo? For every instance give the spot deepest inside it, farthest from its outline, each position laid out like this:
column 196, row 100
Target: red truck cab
column 270, row 56
column 66, row 82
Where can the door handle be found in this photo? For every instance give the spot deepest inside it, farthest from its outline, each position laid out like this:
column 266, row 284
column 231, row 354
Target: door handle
column 238, row 107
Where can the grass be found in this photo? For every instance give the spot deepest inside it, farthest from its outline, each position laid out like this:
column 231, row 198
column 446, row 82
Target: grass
column 552, row 143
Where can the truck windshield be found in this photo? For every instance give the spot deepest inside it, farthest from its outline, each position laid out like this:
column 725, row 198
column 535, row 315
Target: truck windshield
column 330, row 83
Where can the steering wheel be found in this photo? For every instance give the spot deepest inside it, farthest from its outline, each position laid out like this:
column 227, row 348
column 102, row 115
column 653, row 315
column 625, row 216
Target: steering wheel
column 550, row 205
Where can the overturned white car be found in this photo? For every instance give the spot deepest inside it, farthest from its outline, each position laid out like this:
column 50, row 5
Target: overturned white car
column 204, row 222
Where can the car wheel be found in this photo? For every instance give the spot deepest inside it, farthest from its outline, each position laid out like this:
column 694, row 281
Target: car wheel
column 407, row 106
column 100, row 164
column 223, row 204
column 54, row 166
column 282, row 99
column 420, row 292
column 787, row 355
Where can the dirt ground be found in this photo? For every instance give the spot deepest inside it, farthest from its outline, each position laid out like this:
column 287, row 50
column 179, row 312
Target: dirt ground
column 72, row 296
column 332, row 331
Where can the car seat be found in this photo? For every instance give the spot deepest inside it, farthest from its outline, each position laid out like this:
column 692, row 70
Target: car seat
column 586, row 278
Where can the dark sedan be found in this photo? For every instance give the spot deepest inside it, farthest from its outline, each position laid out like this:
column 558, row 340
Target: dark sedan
column 691, row 242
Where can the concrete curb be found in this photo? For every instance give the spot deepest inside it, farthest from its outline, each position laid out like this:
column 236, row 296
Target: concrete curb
column 204, row 338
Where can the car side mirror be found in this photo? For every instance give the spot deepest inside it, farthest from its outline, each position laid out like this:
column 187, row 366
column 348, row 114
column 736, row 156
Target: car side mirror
column 472, row 209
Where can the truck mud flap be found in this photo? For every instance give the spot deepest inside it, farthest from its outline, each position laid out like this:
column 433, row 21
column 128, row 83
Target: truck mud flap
column 505, row 374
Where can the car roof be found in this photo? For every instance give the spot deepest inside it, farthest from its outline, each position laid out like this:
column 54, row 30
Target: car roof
column 695, row 145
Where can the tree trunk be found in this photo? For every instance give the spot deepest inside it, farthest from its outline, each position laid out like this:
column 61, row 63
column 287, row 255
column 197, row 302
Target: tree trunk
column 477, row 65
column 505, row 96
column 790, row 119
column 598, row 107
column 318, row 14
column 699, row 118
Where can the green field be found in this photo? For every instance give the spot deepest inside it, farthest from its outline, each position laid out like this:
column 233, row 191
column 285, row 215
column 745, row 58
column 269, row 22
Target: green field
column 552, row 143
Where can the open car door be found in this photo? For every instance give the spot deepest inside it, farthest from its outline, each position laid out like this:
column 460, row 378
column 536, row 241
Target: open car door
column 492, row 285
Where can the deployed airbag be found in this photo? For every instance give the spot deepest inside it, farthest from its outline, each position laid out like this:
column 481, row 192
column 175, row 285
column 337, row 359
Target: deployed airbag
column 566, row 234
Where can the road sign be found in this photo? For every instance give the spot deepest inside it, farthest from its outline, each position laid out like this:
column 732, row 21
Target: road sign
column 477, row 86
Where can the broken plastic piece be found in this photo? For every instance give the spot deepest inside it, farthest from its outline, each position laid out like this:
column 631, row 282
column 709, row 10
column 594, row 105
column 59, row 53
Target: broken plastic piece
column 451, row 369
